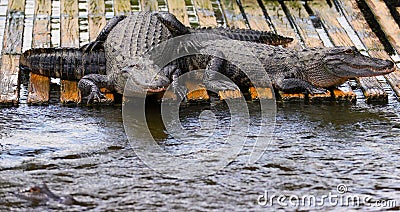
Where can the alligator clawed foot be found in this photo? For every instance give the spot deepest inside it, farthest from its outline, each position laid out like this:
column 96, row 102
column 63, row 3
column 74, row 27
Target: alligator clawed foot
column 180, row 92
column 95, row 97
column 316, row 90
column 229, row 94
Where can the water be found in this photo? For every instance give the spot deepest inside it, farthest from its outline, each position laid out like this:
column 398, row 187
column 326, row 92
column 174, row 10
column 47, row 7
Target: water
column 84, row 152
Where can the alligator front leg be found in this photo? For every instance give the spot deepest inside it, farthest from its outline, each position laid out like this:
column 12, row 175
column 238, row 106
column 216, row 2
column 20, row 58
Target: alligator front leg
column 101, row 38
column 90, row 86
column 172, row 23
column 294, row 85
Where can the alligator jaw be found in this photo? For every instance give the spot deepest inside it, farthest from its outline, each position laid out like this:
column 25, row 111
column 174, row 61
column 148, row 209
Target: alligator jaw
column 348, row 70
column 155, row 90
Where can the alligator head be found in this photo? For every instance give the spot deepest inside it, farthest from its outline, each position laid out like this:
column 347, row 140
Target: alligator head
column 40, row 194
column 141, row 78
column 328, row 67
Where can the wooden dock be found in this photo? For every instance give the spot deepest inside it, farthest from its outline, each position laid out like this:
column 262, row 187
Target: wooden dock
column 373, row 26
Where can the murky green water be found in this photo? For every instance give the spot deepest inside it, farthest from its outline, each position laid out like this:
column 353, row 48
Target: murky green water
column 84, row 152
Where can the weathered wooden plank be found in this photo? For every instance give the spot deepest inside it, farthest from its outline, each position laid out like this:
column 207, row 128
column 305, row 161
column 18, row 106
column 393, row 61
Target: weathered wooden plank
column 280, row 22
column 122, row 7
column 97, row 19
column 69, row 27
column 255, row 15
column 328, row 16
column 12, row 45
column 149, row 5
column 372, row 45
column 232, row 13
column 39, row 86
column 178, row 8
column 394, row 81
column 302, row 20
column 386, row 21
column 205, row 13
column 9, row 80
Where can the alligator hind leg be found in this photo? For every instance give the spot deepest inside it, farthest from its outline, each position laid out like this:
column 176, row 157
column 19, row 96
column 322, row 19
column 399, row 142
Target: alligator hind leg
column 101, row 38
column 90, row 86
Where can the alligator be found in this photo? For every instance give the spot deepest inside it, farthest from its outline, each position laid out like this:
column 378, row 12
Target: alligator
column 41, row 194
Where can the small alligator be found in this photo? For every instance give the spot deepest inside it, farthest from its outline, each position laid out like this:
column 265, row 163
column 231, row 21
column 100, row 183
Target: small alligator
column 41, row 194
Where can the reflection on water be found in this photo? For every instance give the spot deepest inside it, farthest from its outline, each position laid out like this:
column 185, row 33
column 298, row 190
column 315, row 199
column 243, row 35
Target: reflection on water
column 84, row 152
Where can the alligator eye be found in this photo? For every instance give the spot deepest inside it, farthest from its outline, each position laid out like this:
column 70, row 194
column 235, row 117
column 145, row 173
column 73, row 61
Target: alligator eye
column 349, row 51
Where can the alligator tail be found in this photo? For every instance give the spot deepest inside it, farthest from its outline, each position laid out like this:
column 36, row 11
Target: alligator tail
column 63, row 63
column 269, row 38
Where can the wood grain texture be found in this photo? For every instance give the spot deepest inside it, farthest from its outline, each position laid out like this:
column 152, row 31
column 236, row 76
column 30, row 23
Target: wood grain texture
column 39, row 86
column 233, row 16
column 178, row 8
column 281, row 22
column 122, row 7
column 304, row 24
column 149, row 5
column 205, row 13
column 97, row 19
column 69, row 27
column 255, row 15
column 12, row 45
column 386, row 21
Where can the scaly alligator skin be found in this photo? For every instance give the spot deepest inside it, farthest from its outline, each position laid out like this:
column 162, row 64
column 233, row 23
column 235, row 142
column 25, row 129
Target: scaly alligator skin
column 310, row 70
column 40, row 194
column 255, row 36
column 64, row 63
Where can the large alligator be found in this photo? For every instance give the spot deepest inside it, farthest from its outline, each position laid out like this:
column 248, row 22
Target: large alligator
column 40, row 194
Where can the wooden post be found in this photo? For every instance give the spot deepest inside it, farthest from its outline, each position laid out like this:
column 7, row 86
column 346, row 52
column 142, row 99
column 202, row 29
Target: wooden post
column 122, row 7
column 12, row 45
column 149, row 5
column 69, row 38
column 178, row 8
column 255, row 15
column 205, row 13
column 39, row 86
